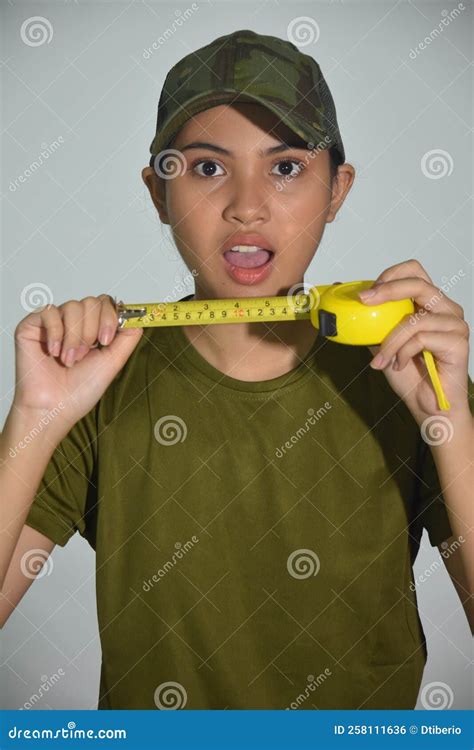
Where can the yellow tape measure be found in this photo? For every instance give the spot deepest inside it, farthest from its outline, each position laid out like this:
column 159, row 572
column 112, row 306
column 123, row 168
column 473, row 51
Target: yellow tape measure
column 334, row 309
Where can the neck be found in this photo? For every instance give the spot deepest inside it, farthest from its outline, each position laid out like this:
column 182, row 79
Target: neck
column 253, row 351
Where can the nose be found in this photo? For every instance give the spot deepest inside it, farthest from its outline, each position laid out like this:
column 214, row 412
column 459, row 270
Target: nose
column 247, row 203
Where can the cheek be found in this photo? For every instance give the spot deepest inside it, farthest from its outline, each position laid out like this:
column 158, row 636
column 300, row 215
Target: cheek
column 189, row 203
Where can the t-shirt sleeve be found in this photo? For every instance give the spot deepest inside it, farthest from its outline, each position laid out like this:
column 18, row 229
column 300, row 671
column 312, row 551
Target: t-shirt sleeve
column 430, row 509
column 66, row 498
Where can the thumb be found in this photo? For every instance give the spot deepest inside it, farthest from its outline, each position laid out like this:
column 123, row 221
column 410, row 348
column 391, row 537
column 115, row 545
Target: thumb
column 114, row 356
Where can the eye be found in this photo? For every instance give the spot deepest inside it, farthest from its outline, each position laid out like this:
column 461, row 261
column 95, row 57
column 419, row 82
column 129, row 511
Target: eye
column 208, row 166
column 287, row 170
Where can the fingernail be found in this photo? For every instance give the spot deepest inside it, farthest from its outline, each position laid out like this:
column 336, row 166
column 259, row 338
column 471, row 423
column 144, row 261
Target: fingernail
column 377, row 360
column 56, row 349
column 70, row 354
column 105, row 335
column 367, row 293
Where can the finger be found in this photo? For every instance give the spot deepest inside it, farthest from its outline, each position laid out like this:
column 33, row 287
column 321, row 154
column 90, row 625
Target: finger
column 426, row 296
column 92, row 308
column 410, row 267
column 48, row 326
column 412, row 326
column 73, row 318
column 445, row 346
column 108, row 324
column 53, row 327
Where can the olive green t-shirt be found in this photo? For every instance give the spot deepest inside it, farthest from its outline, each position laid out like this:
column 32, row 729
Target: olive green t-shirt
column 254, row 540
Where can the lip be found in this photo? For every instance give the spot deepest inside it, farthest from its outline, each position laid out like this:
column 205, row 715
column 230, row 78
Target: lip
column 249, row 276
column 247, row 239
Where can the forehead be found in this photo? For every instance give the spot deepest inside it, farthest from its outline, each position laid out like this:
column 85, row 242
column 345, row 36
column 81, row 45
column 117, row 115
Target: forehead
column 236, row 122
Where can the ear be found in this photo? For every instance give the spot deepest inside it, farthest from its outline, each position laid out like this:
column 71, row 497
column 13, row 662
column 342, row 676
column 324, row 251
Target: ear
column 157, row 188
column 341, row 185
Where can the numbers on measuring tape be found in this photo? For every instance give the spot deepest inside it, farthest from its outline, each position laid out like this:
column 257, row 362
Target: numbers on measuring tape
column 257, row 309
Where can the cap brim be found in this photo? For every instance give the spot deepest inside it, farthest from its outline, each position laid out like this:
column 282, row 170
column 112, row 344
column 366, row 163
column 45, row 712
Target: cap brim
column 213, row 98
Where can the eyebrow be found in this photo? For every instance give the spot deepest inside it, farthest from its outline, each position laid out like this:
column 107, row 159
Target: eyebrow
column 219, row 150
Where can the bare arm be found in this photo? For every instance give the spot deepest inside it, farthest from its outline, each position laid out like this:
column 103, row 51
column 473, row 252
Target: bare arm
column 52, row 393
column 454, row 461
column 455, row 566
column 22, row 570
column 21, row 470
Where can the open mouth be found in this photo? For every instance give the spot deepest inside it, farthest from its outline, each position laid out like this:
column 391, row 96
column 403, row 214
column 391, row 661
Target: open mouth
column 248, row 256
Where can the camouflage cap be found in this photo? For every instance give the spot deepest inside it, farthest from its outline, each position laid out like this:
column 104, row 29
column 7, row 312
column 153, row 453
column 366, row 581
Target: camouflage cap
column 247, row 66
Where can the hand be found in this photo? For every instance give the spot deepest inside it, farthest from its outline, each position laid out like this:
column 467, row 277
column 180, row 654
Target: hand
column 46, row 380
column 437, row 325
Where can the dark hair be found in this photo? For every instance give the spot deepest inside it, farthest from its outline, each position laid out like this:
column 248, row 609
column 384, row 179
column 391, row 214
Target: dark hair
column 335, row 160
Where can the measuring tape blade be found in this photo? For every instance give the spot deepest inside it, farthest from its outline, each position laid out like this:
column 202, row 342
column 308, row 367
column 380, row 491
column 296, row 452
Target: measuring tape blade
column 213, row 311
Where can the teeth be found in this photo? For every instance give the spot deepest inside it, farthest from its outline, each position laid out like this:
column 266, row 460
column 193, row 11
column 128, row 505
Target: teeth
column 245, row 249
